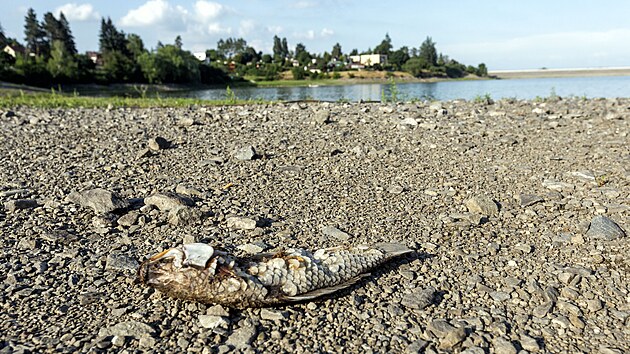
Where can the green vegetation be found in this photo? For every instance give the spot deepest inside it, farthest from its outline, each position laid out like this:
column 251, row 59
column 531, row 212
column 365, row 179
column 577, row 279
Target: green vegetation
column 49, row 57
column 54, row 99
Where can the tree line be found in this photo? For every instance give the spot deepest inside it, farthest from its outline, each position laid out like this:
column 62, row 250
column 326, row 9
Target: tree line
column 48, row 56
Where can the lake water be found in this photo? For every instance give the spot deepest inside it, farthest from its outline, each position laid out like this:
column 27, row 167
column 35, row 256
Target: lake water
column 591, row 87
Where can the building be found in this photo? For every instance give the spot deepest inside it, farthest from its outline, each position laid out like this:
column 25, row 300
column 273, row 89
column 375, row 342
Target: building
column 95, row 57
column 202, row 57
column 369, row 59
column 14, row 50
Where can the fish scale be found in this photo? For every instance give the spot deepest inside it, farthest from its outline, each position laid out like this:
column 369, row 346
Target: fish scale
column 198, row 272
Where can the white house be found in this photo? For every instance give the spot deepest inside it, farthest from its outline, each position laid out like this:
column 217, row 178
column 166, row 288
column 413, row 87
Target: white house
column 201, row 56
column 369, row 59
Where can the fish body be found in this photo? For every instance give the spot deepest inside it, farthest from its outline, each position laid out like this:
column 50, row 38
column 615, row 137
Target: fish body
column 201, row 273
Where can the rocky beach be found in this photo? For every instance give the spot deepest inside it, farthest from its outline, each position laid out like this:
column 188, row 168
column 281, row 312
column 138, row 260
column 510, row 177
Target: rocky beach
column 518, row 212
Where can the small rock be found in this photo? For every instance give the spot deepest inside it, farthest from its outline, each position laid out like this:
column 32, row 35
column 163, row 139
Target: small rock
column 147, row 341
column 185, row 190
column 395, row 189
column 19, row 204
column 159, row 143
column 603, row 228
column 128, row 219
column 213, row 321
column 272, row 315
column 503, row 345
column 606, row 350
column 416, row 347
column 335, row 233
column 419, row 299
column 243, row 336
column 558, row 186
column 217, row 310
column 526, row 200
column 186, row 122
column 127, row 329
column 453, row 338
column 251, row 248
column 482, row 205
column 116, row 261
column 440, row 328
column 499, row 296
column 542, row 310
column 118, row 341
column 143, row 153
column 409, row 123
column 594, row 305
column 525, row 248
column 167, row 201
column 322, row 117
column 184, row 216
column 241, row 223
column 100, row 200
column 530, row 344
column 245, row 153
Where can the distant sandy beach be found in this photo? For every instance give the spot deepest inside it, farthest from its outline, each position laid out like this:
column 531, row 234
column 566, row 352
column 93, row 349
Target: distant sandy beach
column 578, row 72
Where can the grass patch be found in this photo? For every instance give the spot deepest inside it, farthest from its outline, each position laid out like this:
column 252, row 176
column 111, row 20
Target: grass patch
column 9, row 98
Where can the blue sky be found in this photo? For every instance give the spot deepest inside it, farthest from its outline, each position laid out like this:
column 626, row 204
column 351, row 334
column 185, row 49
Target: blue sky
column 504, row 34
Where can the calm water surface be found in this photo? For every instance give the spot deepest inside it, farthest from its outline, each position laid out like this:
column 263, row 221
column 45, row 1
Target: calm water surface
column 591, row 87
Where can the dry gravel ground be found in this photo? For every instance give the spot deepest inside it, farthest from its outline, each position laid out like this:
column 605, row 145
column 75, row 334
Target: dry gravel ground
column 497, row 199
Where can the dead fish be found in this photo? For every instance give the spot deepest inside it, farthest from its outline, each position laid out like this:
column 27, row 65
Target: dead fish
column 201, row 273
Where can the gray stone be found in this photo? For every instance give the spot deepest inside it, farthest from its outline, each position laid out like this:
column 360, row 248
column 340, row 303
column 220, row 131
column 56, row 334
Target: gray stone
column 542, row 310
column 528, row 343
column 558, row 186
column 322, row 117
column 416, row 347
column 117, row 261
column 146, row 341
column 128, row 219
column 217, row 310
column 167, row 201
column 185, row 190
column 272, row 315
column 19, row 204
column 335, row 233
column 604, row 228
column 186, row 122
column 159, row 143
column 127, row 329
column 499, row 296
column 213, row 321
column 526, row 200
column 607, row 350
column 482, row 204
column 243, row 336
column 503, row 345
column 419, row 299
column 440, row 328
column 241, row 223
column 184, row 216
column 146, row 152
column 100, row 200
column 453, row 338
column 409, row 123
column 245, row 153
column 251, row 248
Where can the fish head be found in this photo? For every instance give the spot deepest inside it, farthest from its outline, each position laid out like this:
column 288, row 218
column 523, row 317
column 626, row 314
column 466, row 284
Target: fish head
column 172, row 265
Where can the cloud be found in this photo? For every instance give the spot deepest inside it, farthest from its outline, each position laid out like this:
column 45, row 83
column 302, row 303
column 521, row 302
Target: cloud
column 207, row 10
column 246, row 27
column 326, row 32
column 275, row 29
column 302, row 4
column 78, row 12
column 553, row 50
column 151, row 13
column 215, row 28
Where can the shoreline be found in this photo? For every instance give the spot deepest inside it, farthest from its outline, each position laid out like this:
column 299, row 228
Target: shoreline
column 559, row 73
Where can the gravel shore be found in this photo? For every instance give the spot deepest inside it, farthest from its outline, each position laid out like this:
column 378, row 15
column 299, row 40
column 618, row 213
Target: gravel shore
column 516, row 210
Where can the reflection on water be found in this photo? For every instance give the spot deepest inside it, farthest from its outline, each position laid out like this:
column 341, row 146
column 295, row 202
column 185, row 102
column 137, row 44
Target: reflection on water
column 605, row 86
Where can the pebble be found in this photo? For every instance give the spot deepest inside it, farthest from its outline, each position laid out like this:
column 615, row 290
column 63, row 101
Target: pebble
column 322, row 117
column 335, row 233
column 213, row 321
column 526, row 200
column 167, row 201
column 116, row 261
column 245, row 153
column 127, row 329
column 241, row 223
column 100, row 200
column 419, row 298
column 158, row 143
column 453, row 338
column 272, row 315
column 482, row 204
column 604, row 228
column 503, row 345
column 243, row 336
column 184, row 216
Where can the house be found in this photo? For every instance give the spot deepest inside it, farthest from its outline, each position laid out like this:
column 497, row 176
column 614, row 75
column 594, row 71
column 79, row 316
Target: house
column 202, row 57
column 95, row 57
column 14, row 49
column 369, row 59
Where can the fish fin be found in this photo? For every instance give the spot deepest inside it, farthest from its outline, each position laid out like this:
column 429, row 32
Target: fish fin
column 393, row 249
column 325, row 291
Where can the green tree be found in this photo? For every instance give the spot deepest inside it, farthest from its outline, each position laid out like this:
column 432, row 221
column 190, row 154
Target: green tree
column 482, row 70
column 230, row 47
column 336, row 51
column 428, row 52
column 110, row 39
column 66, row 34
column 170, row 64
column 178, row 42
column 298, row 73
column 62, row 66
column 34, row 35
column 3, row 38
column 415, row 66
column 385, row 47
column 135, row 45
column 399, row 57
column 59, row 30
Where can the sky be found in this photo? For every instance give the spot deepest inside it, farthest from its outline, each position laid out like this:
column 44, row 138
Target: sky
column 503, row 34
